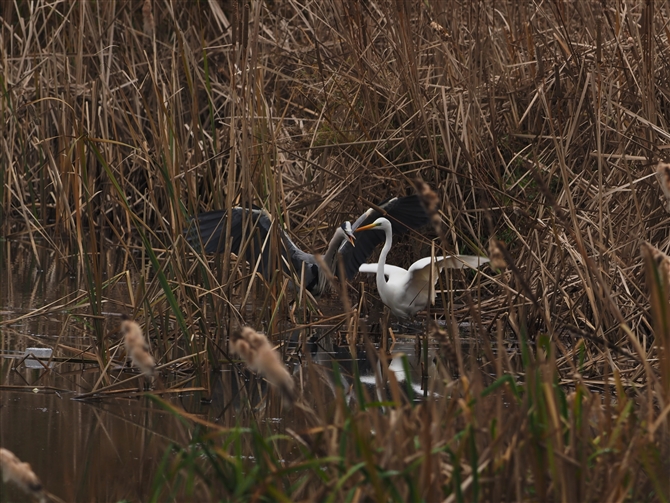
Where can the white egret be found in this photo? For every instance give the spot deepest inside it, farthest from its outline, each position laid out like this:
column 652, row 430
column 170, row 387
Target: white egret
column 209, row 234
column 409, row 291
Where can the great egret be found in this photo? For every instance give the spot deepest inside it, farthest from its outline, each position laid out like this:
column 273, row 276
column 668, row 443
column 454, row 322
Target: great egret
column 409, row 291
column 210, row 228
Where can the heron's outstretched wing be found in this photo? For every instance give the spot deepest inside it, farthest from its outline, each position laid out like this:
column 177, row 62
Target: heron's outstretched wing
column 209, row 229
column 404, row 213
column 249, row 231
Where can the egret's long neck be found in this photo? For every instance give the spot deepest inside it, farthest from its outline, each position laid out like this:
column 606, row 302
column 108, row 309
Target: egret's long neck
column 381, row 278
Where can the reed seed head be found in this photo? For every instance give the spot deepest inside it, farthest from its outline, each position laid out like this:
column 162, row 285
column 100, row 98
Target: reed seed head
column 20, row 474
column 496, row 254
column 431, row 203
column 257, row 352
column 147, row 18
column 137, row 347
column 661, row 260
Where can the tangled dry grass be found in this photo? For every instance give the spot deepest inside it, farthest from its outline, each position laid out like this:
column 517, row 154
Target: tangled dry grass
column 538, row 126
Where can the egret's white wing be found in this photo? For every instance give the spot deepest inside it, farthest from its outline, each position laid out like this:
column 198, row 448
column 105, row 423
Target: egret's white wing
column 451, row 262
column 389, row 270
column 461, row 261
column 420, row 275
column 413, row 291
column 421, row 266
column 419, row 288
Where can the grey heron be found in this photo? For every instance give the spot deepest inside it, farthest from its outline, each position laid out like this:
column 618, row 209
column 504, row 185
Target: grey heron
column 209, row 233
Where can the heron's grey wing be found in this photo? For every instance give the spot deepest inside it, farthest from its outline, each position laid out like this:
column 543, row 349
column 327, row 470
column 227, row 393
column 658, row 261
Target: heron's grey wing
column 298, row 258
column 208, row 232
column 404, row 213
column 209, row 228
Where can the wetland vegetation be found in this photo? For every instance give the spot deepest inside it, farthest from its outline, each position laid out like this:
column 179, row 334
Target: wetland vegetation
column 538, row 125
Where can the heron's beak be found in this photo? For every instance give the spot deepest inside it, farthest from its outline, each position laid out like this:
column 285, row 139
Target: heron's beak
column 367, row 227
column 346, row 227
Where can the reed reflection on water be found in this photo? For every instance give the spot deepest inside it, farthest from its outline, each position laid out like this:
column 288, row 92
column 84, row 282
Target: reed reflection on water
column 110, row 448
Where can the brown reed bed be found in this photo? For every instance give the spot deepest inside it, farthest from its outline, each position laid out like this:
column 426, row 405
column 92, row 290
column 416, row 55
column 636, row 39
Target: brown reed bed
column 538, row 127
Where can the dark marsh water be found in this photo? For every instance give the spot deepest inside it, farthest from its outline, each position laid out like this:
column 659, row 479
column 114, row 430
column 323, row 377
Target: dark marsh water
column 109, row 449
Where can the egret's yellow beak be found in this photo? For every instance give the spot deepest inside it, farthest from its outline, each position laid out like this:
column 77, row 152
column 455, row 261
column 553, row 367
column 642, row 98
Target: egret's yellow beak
column 367, row 227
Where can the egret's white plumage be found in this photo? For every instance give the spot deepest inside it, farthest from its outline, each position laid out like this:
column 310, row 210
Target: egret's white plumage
column 407, row 292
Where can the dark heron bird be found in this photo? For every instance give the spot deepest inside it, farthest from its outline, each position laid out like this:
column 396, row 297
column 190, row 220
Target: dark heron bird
column 209, row 229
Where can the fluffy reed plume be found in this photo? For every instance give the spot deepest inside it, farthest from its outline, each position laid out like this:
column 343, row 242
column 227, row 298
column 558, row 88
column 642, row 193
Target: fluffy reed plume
column 497, row 255
column 440, row 30
column 663, row 175
column 137, row 347
column 147, row 18
column 431, row 203
column 13, row 470
column 257, row 352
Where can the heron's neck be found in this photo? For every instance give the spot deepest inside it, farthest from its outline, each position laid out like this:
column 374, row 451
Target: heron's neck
column 330, row 258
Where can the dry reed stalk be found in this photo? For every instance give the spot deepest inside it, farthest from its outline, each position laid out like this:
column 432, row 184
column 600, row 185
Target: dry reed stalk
column 431, row 203
column 20, row 474
column 544, row 116
column 257, row 352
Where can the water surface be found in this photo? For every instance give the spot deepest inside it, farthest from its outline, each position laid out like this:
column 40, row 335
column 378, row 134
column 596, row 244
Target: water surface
column 110, row 448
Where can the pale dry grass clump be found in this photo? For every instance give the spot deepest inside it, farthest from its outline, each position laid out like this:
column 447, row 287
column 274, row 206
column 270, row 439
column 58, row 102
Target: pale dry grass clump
column 20, row 474
column 259, row 355
column 137, row 347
